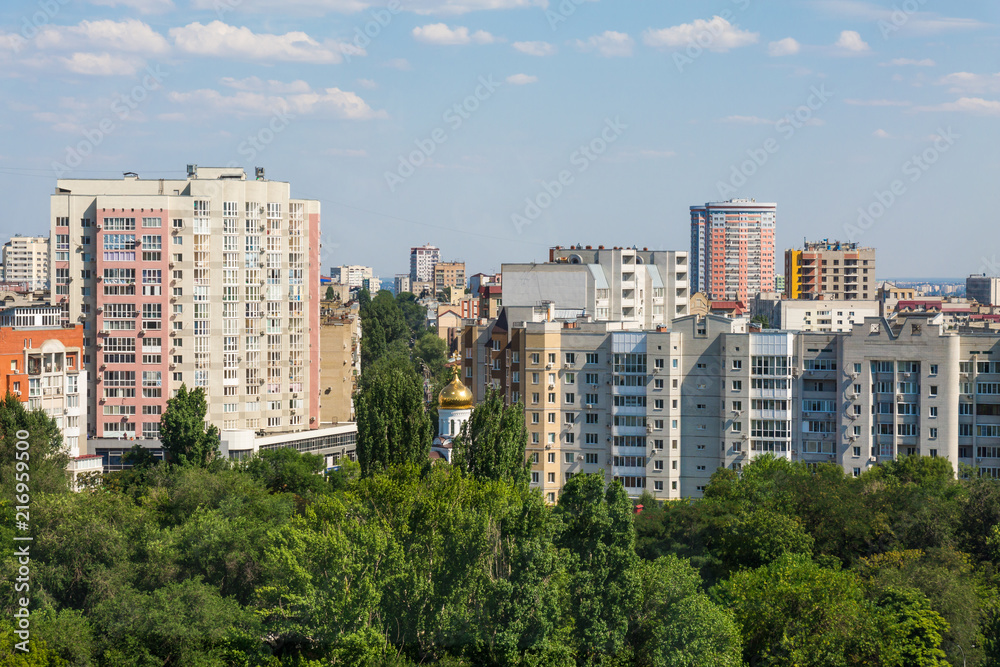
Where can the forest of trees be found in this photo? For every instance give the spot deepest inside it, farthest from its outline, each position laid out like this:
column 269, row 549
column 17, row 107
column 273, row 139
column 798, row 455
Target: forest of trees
column 397, row 561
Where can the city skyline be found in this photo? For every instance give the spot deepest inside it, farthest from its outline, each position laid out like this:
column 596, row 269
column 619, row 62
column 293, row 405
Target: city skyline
column 498, row 129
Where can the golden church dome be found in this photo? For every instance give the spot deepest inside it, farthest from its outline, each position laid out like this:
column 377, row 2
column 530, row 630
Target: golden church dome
column 455, row 396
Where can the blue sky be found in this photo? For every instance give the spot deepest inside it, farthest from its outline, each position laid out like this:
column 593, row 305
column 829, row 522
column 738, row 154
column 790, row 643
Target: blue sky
column 497, row 128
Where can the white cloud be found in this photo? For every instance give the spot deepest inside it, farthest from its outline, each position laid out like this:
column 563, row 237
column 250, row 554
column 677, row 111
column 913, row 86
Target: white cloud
column 922, row 23
column 881, row 134
column 535, row 48
column 903, row 62
column 851, row 41
column 877, row 103
column 783, row 47
column 973, row 105
column 442, row 35
column 716, row 34
column 422, row 7
column 521, row 79
column 747, row 120
column 143, row 6
column 101, row 64
column 330, row 102
column 128, row 36
column 256, row 84
column 967, row 82
column 368, row 84
column 223, row 40
column 609, row 44
column 402, row 64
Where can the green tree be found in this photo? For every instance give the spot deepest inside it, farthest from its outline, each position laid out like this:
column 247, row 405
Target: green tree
column 330, row 293
column 492, row 443
column 286, row 470
column 604, row 585
column 413, row 312
column 364, row 297
column 383, row 328
column 43, row 463
column 183, row 432
column 758, row 537
column 393, row 427
column 676, row 624
column 432, row 350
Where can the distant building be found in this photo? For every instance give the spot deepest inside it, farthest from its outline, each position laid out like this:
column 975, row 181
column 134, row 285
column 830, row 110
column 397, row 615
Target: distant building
column 422, row 262
column 646, row 287
column 831, row 269
column 810, row 314
column 340, row 361
column 402, row 283
column 452, row 275
column 732, row 249
column 25, row 259
column 353, row 275
column 983, row 289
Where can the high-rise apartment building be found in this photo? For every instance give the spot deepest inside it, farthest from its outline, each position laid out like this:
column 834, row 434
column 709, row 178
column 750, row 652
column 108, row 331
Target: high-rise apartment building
column 983, row 289
column 26, row 260
column 732, row 249
column 209, row 281
column 662, row 409
column 831, row 270
column 422, row 261
column 644, row 287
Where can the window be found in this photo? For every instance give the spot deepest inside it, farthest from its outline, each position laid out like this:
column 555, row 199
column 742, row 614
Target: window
column 591, row 459
column 933, row 432
column 552, row 457
column 934, row 411
column 552, row 357
column 934, row 369
column 591, row 357
column 658, row 404
column 934, row 390
column 658, row 384
column 568, row 457
column 737, row 385
column 737, row 364
column 534, row 358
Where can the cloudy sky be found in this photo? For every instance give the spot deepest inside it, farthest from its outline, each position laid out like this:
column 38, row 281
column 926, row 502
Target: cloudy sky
column 496, row 128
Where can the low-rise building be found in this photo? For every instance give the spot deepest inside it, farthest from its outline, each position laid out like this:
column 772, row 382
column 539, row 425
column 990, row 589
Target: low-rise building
column 811, row 315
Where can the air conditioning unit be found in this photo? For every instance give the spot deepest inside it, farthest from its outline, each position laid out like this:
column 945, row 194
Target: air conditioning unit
column 548, row 446
column 548, row 367
column 589, row 406
column 899, row 397
column 854, row 376
column 873, row 458
column 649, row 429
column 579, row 457
column 745, row 437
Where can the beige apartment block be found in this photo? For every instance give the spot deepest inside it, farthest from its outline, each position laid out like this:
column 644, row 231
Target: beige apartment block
column 340, row 361
column 832, row 270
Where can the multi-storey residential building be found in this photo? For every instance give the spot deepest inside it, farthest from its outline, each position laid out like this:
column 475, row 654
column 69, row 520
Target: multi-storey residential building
column 983, row 289
column 353, row 275
column 340, row 361
column 422, row 262
column 662, row 409
column 811, row 315
column 732, row 249
column 41, row 364
column 208, row 281
column 25, row 259
column 401, row 283
column 644, row 287
column 832, row 270
column 450, row 274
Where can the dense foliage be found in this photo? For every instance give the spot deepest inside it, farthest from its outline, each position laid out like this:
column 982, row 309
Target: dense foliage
column 268, row 562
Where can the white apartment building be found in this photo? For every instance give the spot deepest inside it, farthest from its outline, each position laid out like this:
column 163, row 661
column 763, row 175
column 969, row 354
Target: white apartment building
column 812, row 315
column 423, row 259
column 25, row 259
column 644, row 287
column 353, row 275
column 208, row 281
